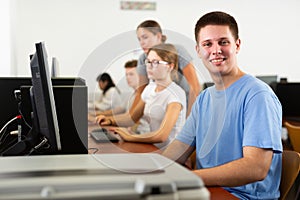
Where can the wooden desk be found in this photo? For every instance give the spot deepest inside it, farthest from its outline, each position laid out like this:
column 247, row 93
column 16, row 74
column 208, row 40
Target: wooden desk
column 216, row 193
column 120, row 147
column 219, row 193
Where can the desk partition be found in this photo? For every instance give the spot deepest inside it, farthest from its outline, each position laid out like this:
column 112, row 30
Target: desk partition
column 8, row 103
column 71, row 109
column 9, row 107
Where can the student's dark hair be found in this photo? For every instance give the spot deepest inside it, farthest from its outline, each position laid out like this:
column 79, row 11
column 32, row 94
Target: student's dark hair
column 167, row 52
column 106, row 77
column 217, row 18
column 153, row 27
column 131, row 64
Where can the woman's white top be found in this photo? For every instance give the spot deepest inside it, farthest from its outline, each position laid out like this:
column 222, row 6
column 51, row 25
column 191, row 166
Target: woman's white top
column 156, row 105
column 110, row 100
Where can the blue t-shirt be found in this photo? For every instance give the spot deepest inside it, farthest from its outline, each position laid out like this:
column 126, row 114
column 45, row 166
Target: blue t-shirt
column 221, row 123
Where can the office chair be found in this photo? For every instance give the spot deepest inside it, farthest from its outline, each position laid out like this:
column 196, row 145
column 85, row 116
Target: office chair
column 289, row 173
column 294, row 135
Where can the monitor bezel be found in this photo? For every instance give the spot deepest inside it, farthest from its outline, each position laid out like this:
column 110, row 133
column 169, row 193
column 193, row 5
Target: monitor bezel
column 44, row 112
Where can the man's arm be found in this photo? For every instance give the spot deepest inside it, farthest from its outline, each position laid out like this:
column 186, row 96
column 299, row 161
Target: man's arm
column 178, row 151
column 254, row 166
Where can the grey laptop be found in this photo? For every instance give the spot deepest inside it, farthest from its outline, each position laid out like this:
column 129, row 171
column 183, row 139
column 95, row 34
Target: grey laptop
column 98, row 176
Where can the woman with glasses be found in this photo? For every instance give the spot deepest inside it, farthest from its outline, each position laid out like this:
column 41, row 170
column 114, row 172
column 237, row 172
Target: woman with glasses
column 149, row 33
column 163, row 102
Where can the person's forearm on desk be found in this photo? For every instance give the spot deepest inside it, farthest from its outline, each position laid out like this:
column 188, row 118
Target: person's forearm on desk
column 134, row 113
column 178, row 151
column 254, row 166
column 125, row 120
column 158, row 136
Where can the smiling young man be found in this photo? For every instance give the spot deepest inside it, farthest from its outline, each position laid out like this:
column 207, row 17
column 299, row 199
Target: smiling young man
column 234, row 126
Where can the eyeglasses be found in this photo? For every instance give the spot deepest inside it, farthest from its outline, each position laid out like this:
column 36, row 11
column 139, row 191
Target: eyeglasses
column 155, row 63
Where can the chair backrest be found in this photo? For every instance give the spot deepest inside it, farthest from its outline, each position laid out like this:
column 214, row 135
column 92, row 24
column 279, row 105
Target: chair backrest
column 290, row 171
column 294, row 135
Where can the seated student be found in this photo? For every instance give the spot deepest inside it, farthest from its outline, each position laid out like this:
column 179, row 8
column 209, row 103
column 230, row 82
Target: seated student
column 132, row 79
column 110, row 97
column 235, row 125
column 149, row 33
column 163, row 101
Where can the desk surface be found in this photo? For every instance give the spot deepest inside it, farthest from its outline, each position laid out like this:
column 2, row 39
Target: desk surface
column 120, row 147
column 125, row 147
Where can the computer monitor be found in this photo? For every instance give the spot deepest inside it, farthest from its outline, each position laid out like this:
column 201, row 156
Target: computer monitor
column 44, row 112
column 54, row 67
column 268, row 79
column 45, row 131
column 271, row 80
column 207, row 84
column 289, row 96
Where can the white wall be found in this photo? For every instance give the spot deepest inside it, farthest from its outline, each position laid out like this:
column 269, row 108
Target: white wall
column 90, row 36
column 5, row 68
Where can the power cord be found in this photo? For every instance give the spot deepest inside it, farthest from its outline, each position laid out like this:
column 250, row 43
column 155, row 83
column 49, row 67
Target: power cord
column 95, row 150
column 10, row 121
column 42, row 143
column 18, row 98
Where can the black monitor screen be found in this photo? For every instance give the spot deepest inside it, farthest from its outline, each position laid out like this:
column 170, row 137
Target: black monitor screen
column 268, row 79
column 271, row 80
column 44, row 112
column 289, row 96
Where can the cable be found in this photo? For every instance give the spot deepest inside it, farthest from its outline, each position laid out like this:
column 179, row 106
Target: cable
column 24, row 119
column 10, row 121
column 93, row 148
column 1, row 137
column 8, row 144
column 43, row 142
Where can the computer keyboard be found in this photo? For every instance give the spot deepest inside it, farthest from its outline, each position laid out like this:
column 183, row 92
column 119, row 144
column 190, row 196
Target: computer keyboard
column 101, row 135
